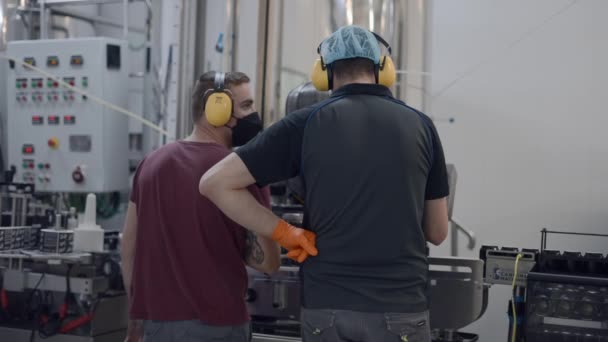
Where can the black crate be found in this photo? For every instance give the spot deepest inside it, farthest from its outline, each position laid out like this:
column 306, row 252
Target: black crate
column 562, row 307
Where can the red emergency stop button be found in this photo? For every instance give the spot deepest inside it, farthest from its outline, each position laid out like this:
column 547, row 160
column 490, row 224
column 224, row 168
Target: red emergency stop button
column 53, row 143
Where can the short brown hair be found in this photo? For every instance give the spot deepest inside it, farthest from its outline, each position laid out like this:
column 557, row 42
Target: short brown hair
column 352, row 67
column 206, row 82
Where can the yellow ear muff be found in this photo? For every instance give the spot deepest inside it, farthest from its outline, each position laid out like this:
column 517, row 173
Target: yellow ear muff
column 218, row 108
column 319, row 77
column 387, row 74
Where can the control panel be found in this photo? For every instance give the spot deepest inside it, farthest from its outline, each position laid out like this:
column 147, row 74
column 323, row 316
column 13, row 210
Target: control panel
column 500, row 265
column 57, row 138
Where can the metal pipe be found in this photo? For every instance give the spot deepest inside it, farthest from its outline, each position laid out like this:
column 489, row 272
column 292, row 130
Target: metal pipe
column 276, row 107
column 43, row 28
column 125, row 19
column 235, row 30
column 470, row 235
column 148, row 20
column 262, row 57
column 3, row 25
column 96, row 20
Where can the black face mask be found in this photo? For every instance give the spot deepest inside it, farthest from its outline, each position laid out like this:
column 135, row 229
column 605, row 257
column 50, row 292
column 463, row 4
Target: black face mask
column 246, row 129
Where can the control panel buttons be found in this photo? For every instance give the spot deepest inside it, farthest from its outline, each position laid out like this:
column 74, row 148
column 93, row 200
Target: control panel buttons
column 76, row 60
column 51, row 83
column 52, row 61
column 53, row 120
column 28, row 163
column 53, row 143
column 30, row 61
column 69, row 80
column 28, row 177
column 21, row 83
column 69, row 119
column 36, row 82
column 37, row 120
column 27, row 149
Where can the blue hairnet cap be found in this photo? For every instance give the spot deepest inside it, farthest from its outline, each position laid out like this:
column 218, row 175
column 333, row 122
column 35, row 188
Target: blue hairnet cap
column 350, row 42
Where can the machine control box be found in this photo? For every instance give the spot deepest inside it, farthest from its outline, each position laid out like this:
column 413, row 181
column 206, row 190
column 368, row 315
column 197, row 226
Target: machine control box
column 82, row 145
column 500, row 265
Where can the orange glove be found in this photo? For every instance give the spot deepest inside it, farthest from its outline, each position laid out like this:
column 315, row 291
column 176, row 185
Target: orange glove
column 300, row 254
column 293, row 238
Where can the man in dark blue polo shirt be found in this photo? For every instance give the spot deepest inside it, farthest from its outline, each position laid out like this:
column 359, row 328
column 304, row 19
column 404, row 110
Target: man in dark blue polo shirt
column 376, row 188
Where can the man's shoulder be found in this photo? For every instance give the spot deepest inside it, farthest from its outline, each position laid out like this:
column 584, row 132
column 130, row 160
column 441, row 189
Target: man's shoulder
column 300, row 116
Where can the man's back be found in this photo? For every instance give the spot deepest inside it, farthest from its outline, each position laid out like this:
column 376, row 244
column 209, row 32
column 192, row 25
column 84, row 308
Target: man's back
column 189, row 261
column 368, row 163
column 365, row 201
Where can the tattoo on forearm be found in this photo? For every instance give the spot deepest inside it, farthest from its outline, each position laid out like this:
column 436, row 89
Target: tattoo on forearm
column 253, row 253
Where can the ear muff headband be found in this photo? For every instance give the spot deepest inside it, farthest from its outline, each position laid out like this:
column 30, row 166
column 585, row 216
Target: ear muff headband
column 322, row 76
column 218, row 103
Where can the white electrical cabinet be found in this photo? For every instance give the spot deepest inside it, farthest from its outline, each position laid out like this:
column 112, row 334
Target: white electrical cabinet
column 58, row 139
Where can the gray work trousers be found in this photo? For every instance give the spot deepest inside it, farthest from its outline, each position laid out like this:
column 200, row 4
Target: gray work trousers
column 194, row 331
column 341, row 326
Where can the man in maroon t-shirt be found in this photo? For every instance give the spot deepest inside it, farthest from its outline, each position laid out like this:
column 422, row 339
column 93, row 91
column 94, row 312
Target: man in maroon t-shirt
column 183, row 260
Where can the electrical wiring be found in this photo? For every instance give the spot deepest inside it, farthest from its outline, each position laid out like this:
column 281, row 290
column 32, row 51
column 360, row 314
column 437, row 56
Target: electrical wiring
column 90, row 96
column 29, row 303
column 514, row 331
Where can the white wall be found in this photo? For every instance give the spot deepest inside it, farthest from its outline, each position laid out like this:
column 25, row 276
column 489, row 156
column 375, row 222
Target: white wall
column 528, row 140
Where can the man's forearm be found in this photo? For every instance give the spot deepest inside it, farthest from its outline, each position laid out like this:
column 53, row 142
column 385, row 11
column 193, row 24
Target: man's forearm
column 127, row 274
column 244, row 209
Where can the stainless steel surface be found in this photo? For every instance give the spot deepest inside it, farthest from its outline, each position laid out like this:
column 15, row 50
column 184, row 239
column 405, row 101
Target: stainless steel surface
column 455, row 225
column 43, row 20
column 262, row 57
column 274, row 338
column 3, row 25
column 294, row 218
column 456, row 297
column 376, row 15
column 302, row 96
column 125, row 19
column 276, row 296
column 23, row 335
column 18, row 281
column 187, row 55
column 110, row 315
column 269, row 58
column 500, row 267
column 94, row 19
column 81, row 2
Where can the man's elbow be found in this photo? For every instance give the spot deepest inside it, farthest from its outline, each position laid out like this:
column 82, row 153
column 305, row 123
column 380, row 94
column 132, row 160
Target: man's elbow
column 207, row 185
column 438, row 235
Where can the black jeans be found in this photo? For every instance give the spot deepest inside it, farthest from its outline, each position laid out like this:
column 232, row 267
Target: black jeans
column 342, row 325
column 194, row 331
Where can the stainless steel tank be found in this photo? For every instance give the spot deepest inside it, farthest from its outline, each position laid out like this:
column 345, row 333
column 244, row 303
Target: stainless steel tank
column 376, row 15
column 286, row 68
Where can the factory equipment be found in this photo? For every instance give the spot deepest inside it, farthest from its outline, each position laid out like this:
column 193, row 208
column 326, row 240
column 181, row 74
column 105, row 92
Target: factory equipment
column 58, row 139
column 567, row 296
column 557, row 296
column 46, row 289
